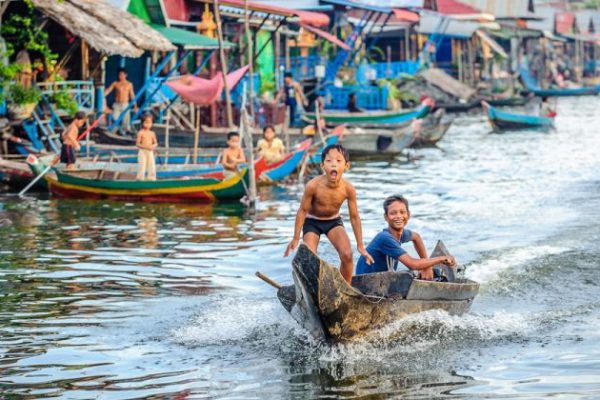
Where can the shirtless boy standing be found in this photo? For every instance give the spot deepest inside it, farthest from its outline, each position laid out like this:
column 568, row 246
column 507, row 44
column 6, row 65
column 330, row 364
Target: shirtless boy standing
column 319, row 211
column 233, row 155
column 70, row 144
column 123, row 95
column 146, row 142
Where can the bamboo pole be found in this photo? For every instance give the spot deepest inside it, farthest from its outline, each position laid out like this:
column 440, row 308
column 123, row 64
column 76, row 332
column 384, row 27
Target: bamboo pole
column 223, row 64
column 286, row 126
column 196, row 135
column 250, row 48
column 245, row 129
column 168, row 118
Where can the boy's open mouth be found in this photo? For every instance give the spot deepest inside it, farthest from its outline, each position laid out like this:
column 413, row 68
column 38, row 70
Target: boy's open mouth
column 333, row 174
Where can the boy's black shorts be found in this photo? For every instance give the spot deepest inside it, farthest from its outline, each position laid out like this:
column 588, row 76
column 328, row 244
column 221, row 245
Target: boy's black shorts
column 320, row 226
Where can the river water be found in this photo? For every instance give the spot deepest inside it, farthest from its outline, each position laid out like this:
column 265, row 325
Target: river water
column 119, row 300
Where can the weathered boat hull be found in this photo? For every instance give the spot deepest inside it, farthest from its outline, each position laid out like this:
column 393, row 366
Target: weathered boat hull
column 323, row 303
column 208, row 138
column 502, row 121
column 508, row 101
column 15, row 173
column 365, row 142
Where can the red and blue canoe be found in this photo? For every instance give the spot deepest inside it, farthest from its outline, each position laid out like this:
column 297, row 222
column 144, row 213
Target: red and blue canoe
column 273, row 172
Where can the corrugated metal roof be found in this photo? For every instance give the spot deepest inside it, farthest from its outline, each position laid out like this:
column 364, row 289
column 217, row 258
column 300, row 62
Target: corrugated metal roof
column 458, row 29
column 451, row 7
column 586, row 19
column 504, row 8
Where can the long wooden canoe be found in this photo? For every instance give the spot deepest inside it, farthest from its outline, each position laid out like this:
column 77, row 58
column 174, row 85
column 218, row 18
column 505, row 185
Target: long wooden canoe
column 372, row 117
column 122, row 186
column 323, row 303
column 504, row 121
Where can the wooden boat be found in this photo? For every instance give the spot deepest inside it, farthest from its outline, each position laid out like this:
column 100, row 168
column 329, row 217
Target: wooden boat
column 372, row 117
column 534, row 87
column 433, row 129
column 505, row 121
column 563, row 92
column 14, row 172
column 457, row 107
column 378, row 141
column 209, row 137
column 323, row 303
column 102, row 183
column 515, row 101
column 273, row 172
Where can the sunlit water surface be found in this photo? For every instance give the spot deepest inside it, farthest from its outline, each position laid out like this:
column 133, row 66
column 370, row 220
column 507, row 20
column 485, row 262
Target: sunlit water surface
column 117, row 300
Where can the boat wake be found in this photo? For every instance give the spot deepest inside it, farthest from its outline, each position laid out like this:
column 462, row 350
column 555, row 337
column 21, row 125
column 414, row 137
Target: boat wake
column 510, row 261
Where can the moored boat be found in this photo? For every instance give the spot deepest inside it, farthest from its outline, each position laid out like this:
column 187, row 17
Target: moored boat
column 376, row 141
column 102, row 183
column 373, row 117
column 432, row 130
column 323, row 303
column 14, row 172
column 505, row 121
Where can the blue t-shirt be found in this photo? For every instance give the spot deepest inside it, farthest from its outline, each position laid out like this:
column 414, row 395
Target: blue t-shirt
column 385, row 250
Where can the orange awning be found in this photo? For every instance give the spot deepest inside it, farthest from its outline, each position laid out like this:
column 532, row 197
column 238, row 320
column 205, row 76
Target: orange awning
column 406, row 16
column 327, row 36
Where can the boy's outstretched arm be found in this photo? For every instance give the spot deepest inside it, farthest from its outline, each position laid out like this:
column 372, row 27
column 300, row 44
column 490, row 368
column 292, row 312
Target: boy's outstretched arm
column 424, row 263
column 356, row 224
column 419, row 245
column 304, row 208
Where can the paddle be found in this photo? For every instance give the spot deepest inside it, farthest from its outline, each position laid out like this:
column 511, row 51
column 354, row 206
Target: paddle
column 268, row 280
column 37, row 178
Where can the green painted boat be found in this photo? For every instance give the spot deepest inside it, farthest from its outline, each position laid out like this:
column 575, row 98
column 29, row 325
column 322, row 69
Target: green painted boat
column 372, row 117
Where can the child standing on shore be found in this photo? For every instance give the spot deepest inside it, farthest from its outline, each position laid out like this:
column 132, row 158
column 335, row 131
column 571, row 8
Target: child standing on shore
column 319, row 212
column 146, row 142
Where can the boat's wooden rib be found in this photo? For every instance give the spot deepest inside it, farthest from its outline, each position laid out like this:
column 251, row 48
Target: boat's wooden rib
column 322, row 302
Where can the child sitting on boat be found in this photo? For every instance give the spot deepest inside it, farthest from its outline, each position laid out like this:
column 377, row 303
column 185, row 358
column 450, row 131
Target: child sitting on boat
column 386, row 247
column 270, row 147
column 233, row 155
column 146, row 143
column 70, row 144
column 319, row 212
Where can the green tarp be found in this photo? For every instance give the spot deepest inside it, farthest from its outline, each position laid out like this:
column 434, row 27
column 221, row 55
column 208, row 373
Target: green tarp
column 266, row 60
column 189, row 40
column 138, row 8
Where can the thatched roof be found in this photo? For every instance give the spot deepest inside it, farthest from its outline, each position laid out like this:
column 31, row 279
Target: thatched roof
column 104, row 27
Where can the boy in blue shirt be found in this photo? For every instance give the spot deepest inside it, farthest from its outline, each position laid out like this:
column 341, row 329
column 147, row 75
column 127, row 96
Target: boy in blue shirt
column 386, row 248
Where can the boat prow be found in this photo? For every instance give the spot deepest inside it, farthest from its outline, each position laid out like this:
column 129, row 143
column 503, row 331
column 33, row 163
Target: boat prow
column 331, row 310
